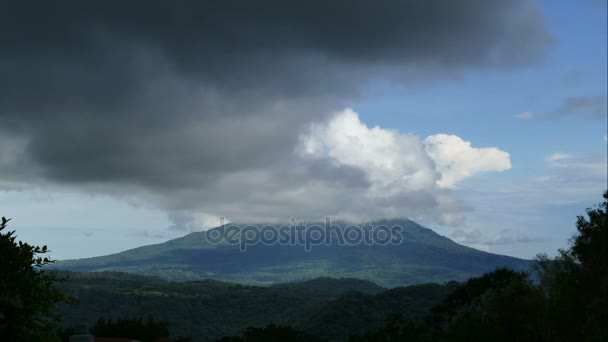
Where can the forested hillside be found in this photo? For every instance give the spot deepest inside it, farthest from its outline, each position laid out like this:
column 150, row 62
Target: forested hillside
column 421, row 256
column 207, row 310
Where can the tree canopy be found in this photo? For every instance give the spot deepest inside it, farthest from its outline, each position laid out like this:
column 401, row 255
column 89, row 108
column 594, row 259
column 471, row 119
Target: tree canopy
column 28, row 296
column 137, row 329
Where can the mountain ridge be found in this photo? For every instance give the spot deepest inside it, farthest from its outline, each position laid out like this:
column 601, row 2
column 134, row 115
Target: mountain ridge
column 422, row 256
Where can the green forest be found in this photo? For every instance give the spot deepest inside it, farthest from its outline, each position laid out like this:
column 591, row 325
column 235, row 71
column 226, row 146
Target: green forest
column 564, row 298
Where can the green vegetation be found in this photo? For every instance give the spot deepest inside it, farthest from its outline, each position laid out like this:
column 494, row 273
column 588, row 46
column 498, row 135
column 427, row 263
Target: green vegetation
column 28, row 296
column 146, row 331
column 205, row 309
column 569, row 302
column 423, row 257
column 576, row 282
column 357, row 313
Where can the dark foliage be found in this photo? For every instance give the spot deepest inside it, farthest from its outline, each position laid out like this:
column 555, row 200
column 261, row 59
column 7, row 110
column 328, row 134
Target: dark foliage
column 357, row 313
column 271, row 333
column 207, row 310
column 137, row 329
column 28, row 296
column 576, row 282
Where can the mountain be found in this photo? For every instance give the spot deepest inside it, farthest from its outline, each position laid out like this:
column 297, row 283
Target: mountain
column 206, row 310
column 420, row 256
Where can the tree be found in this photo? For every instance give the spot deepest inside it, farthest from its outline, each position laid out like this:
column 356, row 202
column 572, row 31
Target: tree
column 28, row 297
column 138, row 329
column 270, row 333
column 590, row 243
column 575, row 283
column 502, row 305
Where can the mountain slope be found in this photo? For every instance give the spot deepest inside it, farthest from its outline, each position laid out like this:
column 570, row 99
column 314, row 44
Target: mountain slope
column 423, row 256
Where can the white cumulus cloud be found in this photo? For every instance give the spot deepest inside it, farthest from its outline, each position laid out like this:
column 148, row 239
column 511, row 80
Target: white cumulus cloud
column 457, row 160
column 392, row 160
column 402, row 165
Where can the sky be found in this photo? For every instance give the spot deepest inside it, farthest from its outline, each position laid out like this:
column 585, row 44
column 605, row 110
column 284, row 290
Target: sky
column 128, row 125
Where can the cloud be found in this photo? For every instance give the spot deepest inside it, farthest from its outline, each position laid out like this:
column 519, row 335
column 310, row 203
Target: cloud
column 402, row 166
column 566, row 167
column 194, row 222
column 592, row 107
column 468, row 237
column 457, row 160
column 546, row 200
column 508, row 237
column 474, row 237
column 589, row 107
column 340, row 167
column 402, row 161
column 526, row 115
column 557, row 158
column 391, row 160
column 200, row 107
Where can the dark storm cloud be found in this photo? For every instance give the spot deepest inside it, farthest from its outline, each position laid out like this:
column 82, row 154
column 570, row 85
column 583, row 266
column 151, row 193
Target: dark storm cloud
column 176, row 97
column 195, row 32
column 73, row 54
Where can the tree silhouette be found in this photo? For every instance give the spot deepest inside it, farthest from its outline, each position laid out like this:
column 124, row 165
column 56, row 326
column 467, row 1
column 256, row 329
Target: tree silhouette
column 576, row 282
column 137, row 329
column 271, row 333
column 28, row 297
